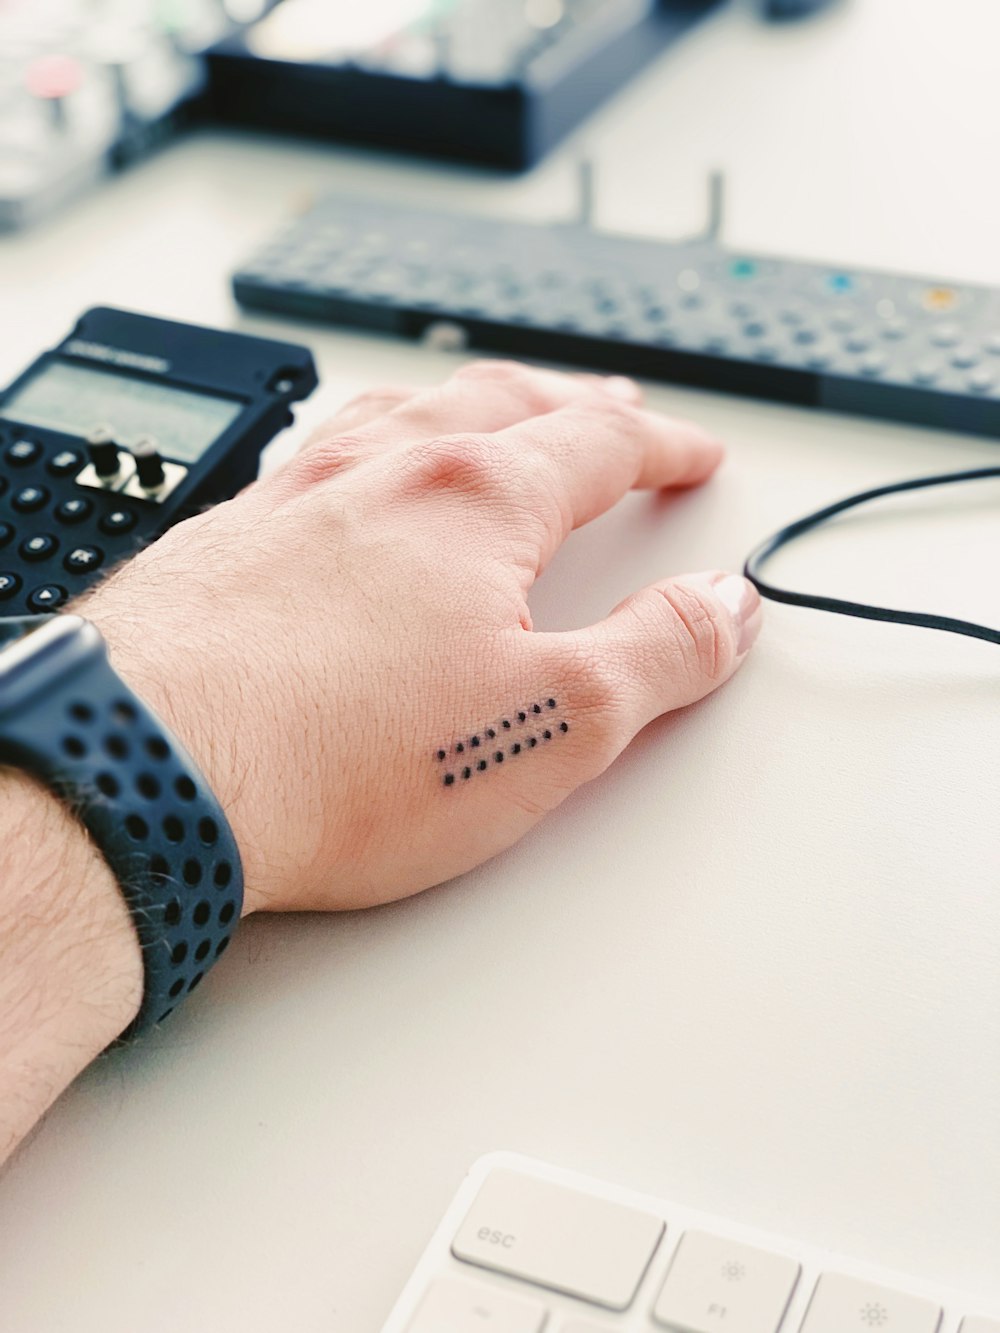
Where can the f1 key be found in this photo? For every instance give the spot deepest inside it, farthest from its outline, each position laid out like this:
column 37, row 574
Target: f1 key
column 716, row 1284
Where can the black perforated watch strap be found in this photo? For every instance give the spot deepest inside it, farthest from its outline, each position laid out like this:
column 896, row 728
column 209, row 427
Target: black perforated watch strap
column 66, row 716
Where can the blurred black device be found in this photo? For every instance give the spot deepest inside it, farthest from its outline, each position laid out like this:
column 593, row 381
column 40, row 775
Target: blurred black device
column 497, row 82
column 129, row 425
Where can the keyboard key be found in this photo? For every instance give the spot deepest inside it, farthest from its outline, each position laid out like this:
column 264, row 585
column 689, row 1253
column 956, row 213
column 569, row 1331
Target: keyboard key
column 873, row 364
column 946, row 335
column 65, row 462
column 47, row 598
column 9, row 584
column 39, row 547
column 29, row 498
column 22, row 452
column 843, row 1304
column 451, row 1306
column 722, row 1286
column 559, row 1238
column 927, row 372
column 118, row 520
column 84, row 559
column 979, row 1324
column 74, row 510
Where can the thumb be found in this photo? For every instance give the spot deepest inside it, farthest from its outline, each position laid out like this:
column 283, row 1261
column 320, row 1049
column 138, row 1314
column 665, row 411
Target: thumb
column 665, row 646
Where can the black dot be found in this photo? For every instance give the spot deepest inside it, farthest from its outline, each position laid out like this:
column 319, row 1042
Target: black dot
column 192, row 871
column 223, row 874
column 441, row 754
column 137, row 828
column 194, row 981
column 201, row 913
column 74, row 747
column 460, row 748
column 516, row 748
column 481, row 765
column 449, row 778
column 82, row 712
column 474, row 742
column 147, row 786
column 159, row 868
column 499, row 756
column 185, row 788
column 221, row 947
column 201, row 953
column 123, row 711
column 550, row 703
column 172, row 912
column 116, row 746
column 466, row 772
column 208, row 831
column 547, row 734
column 536, row 708
column 107, row 784
column 532, row 741
column 506, row 724
column 491, row 733
column 179, row 954
column 176, row 988
column 522, row 717
column 173, row 829
column 564, row 726
column 157, row 748
column 226, row 913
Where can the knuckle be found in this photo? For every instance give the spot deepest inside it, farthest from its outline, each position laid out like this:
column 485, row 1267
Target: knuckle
column 601, row 687
column 612, row 411
column 527, row 384
column 700, row 633
column 324, row 455
column 472, row 465
column 489, row 369
column 383, row 398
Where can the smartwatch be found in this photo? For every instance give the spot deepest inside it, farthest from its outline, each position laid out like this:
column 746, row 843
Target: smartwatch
column 67, row 717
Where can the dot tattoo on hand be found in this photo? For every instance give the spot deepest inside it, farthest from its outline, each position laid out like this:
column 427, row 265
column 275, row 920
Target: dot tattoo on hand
column 490, row 732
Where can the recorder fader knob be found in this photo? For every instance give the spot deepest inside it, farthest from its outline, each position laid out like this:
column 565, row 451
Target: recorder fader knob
column 148, row 463
column 103, row 451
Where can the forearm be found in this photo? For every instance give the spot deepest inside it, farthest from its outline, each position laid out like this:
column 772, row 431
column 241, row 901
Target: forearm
column 70, row 966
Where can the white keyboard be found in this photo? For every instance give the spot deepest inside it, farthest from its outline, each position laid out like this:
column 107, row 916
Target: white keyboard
column 528, row 1248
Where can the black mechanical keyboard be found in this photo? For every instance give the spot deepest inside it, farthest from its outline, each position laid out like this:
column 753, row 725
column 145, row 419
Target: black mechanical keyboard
column 895, row 346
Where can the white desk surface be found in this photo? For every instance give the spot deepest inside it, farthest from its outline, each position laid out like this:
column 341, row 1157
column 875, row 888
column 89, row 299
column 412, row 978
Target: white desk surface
column 756, row 967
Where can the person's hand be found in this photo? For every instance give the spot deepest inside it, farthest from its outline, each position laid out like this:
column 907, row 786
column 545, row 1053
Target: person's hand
column 346, row 647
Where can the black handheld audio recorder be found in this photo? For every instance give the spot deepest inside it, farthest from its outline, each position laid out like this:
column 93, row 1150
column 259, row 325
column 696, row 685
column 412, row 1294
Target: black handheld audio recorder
column 129, row 425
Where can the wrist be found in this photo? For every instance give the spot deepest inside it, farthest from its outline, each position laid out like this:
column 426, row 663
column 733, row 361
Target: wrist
column 72, row 977
column 178, row 675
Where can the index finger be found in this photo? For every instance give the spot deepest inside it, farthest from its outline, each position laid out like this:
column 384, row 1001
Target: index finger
column 577, row 462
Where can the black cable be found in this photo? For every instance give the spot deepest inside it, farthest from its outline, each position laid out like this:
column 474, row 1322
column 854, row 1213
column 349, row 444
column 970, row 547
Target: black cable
column 865, row 612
